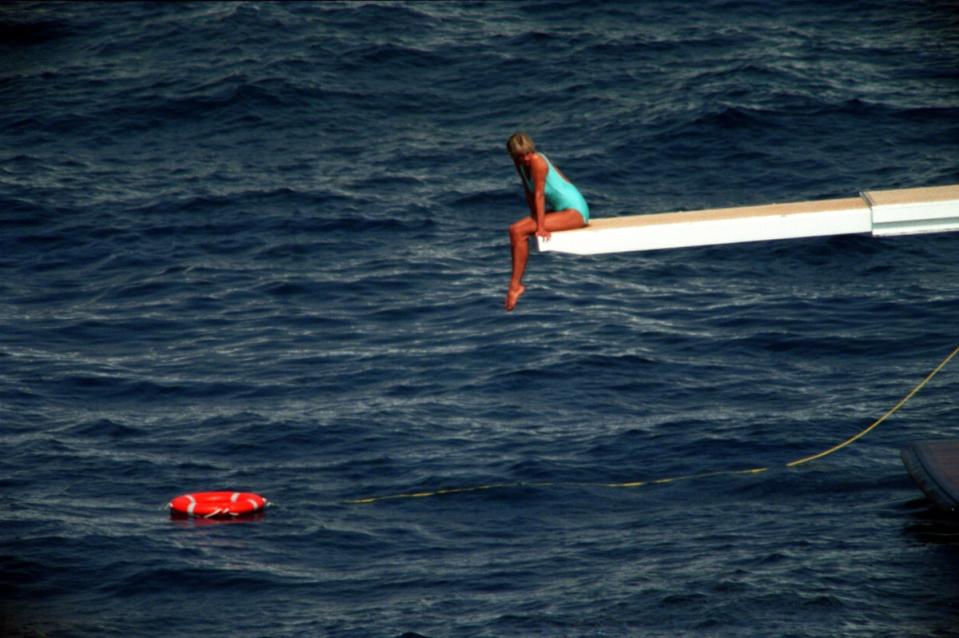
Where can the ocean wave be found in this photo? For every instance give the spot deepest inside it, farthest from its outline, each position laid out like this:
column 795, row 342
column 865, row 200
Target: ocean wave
column 261, row 246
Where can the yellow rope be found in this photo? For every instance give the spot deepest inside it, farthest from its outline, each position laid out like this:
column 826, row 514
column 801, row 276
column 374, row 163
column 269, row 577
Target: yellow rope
column 662, row 481
column 893, row 410
column 443, row 491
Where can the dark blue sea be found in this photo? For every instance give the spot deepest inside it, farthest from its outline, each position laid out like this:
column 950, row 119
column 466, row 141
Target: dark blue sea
column 263, row 247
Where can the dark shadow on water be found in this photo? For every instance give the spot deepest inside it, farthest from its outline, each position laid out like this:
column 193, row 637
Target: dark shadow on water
column 929, row 524
column 933, row 568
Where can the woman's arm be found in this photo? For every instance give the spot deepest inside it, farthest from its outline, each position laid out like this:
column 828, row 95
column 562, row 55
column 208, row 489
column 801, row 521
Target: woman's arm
column 538, row 169
column 526, row 193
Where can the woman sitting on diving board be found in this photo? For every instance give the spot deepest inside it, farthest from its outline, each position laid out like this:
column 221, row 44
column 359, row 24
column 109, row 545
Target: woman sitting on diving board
column 554, row 204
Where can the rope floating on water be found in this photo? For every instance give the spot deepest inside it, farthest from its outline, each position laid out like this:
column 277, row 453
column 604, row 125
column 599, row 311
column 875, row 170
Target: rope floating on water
column 662, row 481
column 889, row 413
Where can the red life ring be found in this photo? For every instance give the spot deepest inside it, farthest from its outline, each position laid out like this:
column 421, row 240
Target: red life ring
column 218, row 504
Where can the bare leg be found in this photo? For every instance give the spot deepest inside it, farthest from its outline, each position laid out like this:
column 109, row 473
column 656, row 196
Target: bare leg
column 519, row 234
column 519, row 243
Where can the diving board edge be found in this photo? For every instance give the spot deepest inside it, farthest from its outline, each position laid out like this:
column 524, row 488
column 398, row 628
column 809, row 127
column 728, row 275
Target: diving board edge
column 881, row 213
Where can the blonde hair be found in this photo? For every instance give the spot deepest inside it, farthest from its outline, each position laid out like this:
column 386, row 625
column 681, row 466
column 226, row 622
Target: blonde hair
column 519, row 144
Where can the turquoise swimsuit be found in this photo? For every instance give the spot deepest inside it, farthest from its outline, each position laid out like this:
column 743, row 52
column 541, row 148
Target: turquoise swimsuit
column 559, row 193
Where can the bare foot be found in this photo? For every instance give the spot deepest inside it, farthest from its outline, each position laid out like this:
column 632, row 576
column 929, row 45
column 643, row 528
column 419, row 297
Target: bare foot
column 512, row 296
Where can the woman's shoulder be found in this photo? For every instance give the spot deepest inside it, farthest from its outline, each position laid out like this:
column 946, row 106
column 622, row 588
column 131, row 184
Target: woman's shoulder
column 539, row 162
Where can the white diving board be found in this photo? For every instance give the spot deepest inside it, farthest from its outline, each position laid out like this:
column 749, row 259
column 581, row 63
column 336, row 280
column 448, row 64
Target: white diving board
column 882, row 213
